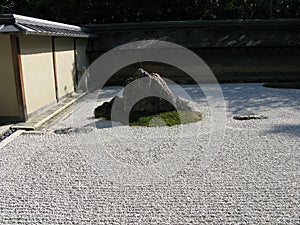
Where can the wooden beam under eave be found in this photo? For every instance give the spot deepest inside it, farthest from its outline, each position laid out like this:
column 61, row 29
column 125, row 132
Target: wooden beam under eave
column 18, row 74
column 55, row 69
column 75, row 64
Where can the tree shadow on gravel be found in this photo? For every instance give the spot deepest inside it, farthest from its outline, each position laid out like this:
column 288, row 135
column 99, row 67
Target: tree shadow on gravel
column 290, row 129
column 256, row 98
column 101, row 124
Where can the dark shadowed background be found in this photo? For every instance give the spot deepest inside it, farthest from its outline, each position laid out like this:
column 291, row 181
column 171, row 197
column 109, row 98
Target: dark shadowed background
column 119, row 11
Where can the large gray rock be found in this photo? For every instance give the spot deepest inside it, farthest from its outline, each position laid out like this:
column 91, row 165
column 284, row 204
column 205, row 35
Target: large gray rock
column 158, row 97
column 146, row 84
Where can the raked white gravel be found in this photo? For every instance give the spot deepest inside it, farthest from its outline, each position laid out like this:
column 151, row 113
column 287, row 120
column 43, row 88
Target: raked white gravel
column 254, row 179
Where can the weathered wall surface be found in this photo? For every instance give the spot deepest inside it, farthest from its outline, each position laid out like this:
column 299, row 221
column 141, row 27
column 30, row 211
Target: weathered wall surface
column 8, row 96
column 65, row 65
column 38, row 72
column 82, row 57
column 253, row 64
column 234, row 50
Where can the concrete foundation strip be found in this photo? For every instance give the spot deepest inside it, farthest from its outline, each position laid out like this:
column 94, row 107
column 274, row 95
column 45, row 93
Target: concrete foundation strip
column 41, row 122
column 4, row 129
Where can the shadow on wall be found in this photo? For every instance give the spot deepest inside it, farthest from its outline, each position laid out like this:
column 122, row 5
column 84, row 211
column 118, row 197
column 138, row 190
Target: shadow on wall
column 35, row 45
column 230, row 65
column 236, row 51
column 165, row 70
column 217, row 34
column 75, row 76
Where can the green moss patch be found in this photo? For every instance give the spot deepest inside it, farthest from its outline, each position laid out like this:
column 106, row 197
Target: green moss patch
column 166, row 119
column 290, row 85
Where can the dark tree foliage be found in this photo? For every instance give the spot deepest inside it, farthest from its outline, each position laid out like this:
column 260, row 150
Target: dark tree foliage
column 114, row 11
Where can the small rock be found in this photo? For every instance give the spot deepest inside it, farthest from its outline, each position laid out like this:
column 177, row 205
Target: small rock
column 250, row 117
column 70, row 130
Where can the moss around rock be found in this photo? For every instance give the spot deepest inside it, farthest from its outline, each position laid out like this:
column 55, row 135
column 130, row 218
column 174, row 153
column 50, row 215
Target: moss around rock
column 289, row 85
column 167, row 119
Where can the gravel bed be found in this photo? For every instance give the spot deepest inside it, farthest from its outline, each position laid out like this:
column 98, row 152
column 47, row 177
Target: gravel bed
column 51, row 178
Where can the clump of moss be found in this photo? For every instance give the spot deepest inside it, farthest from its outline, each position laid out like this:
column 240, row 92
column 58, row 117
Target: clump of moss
column 289, row 85
column 171, row 118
